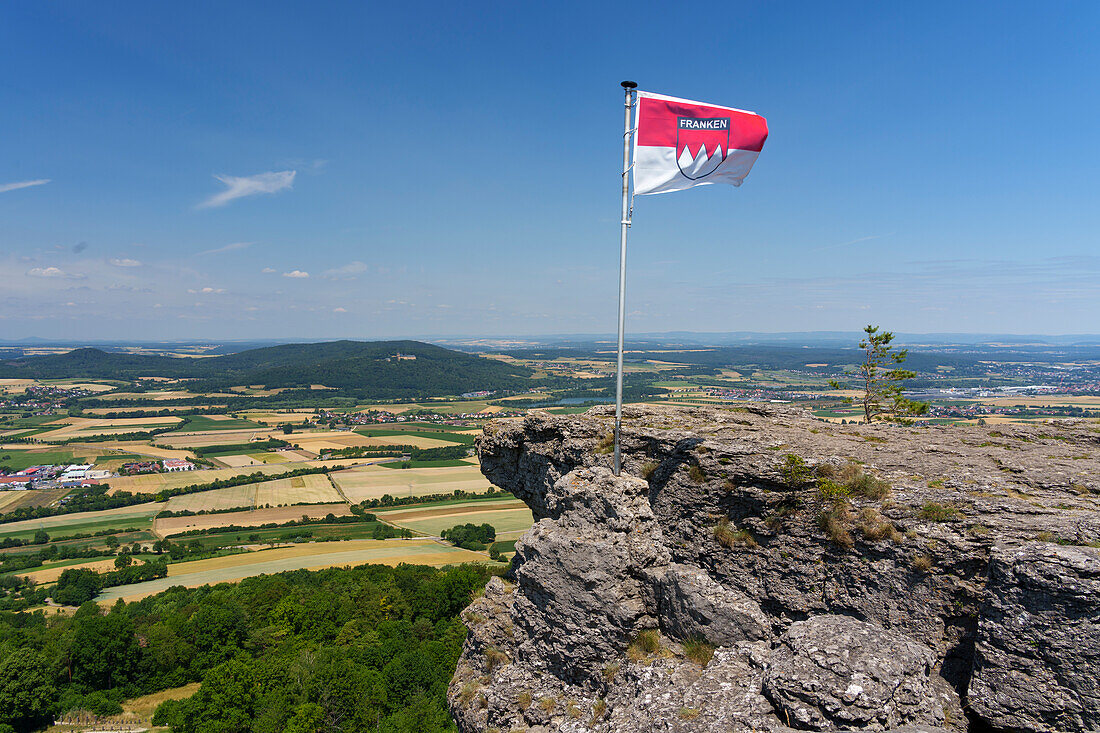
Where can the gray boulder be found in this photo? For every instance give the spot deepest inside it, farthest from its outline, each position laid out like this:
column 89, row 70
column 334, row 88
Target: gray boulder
column 837, row 672
column 1037, row 658
column 694, row 606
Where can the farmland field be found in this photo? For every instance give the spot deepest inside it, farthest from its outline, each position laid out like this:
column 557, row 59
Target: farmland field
column 309, row 556
column 139, row 516
column 201, row 423
column 215, row 437
column 310, row 489
column 346, row 439
column 512, row 522
column 371, row 482
column 154, row 482
column 277, row 515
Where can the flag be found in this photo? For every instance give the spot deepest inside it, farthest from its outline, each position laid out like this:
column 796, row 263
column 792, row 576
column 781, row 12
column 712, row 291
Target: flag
column 680, row 144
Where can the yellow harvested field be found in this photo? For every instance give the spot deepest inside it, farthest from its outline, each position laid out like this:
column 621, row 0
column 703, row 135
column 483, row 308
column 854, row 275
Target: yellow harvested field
column 308, row 556
column 140, row 448
column 171, row 525
column 173, row 408
column 277, row 418
column 371, row 482
column 154, row 482
column 49, row 575
column 15, row 386
column 9, row 497
column 215, row 437
column 311, row 489
column 238, row 461
column 144, row 706
column 78, row 427
column 319, row 441
column 399, row 515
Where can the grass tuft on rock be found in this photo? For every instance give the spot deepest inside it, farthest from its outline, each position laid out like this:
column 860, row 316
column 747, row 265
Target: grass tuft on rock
column 698, row 651
column 834, row 521
column 729, row 537
column 933, row 512
column 645, row 644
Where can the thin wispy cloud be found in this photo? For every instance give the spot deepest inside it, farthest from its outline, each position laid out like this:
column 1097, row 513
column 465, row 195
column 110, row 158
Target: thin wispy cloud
column 296, row 274
column 226, row 248
column 5, row 187
column 80, row 247
column 850, row 242
column 237, row 187
column 268, row 270
column 206, row 290
column 346, row 272
column 124, row 262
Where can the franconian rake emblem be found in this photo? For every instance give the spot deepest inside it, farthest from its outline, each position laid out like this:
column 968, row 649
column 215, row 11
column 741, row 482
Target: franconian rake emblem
column 701, row 145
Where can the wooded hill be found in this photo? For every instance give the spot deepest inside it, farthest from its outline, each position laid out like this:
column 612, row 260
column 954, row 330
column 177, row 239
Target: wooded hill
column 384, row 369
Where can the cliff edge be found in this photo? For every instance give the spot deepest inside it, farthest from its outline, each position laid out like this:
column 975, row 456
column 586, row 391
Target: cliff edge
column 755, row 569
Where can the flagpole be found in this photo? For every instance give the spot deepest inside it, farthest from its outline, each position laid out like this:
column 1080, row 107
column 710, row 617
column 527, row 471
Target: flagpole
column 628, row 88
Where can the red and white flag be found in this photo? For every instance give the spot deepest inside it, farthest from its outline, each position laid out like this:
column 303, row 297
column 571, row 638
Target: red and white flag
column 680, row 144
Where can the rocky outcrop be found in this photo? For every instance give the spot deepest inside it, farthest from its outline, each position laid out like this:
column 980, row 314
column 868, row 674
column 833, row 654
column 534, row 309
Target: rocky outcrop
column 757, row 569
column 1037, row 662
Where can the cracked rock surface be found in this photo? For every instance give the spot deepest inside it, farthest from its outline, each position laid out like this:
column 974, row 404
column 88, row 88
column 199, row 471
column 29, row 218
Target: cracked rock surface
column 755, row 569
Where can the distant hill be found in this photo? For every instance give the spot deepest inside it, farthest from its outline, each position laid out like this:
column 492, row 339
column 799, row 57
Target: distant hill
column 382, row 369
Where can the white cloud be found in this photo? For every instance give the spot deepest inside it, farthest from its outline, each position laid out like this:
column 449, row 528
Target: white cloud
column 241, row 186
column 346, row 272
column 226, row 248
column 339, row 310
column 268, row 270
column 5, row 187
column 124, row 262
column 296, row 273
column 53, row 272
column 206, row 290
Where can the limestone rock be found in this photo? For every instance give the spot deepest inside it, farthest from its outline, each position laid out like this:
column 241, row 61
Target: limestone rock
column 834, row 672
column 1037, row 660
column 956, row 579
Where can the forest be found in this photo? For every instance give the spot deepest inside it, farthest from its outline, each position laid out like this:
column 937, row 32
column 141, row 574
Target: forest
column 374, row 369
column 370, row 648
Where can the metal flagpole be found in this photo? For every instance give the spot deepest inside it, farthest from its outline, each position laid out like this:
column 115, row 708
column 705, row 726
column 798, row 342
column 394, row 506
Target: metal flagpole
column 628, row 87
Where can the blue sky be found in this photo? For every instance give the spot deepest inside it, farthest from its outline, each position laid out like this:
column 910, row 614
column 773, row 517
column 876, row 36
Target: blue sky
column 369, row 170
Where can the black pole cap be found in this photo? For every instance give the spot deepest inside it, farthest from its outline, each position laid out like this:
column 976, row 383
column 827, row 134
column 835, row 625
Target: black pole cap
column 629, row 85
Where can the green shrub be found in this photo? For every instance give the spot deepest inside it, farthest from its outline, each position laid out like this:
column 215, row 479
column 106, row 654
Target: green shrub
column 648, row 468
column 696, row 474
column 794, row 470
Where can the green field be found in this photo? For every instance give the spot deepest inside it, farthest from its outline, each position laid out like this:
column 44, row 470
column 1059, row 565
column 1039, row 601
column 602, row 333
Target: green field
column 356, row 531
column 16, row 460
column 202, row 424
column 138, row 517
column 441, row 463
column 504, row 521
